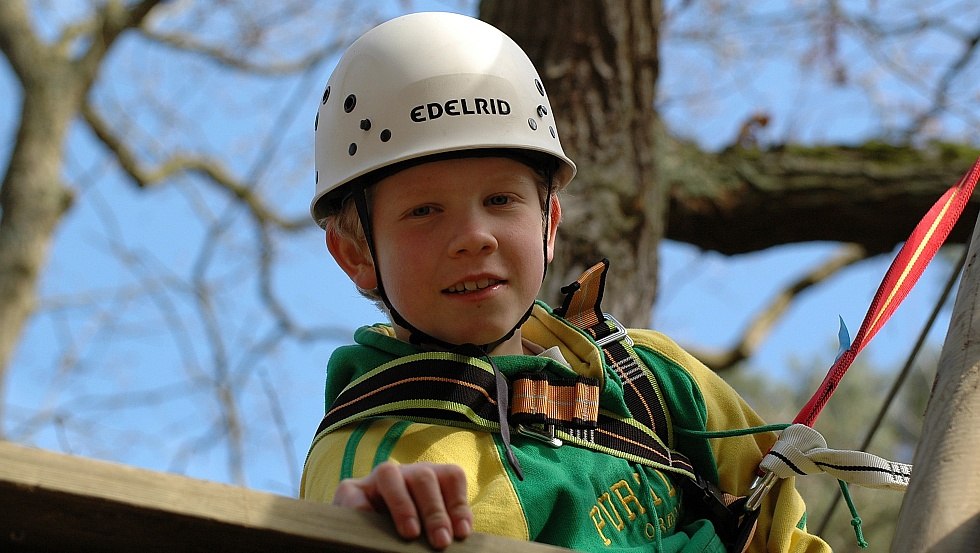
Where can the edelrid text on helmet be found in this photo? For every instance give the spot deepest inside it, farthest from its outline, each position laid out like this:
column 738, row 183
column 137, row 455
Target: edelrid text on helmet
column 460, row 106
column 425, row 84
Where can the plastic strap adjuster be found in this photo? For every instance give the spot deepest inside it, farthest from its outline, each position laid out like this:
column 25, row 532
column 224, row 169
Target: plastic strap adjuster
column 619, row 334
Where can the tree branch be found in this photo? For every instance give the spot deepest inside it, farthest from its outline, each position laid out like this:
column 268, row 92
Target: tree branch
column 112, row 20
column 757, row 330
column 940, row 97
column 185, row 43
column 17, row 40
column 178, row 164
column 873, row 194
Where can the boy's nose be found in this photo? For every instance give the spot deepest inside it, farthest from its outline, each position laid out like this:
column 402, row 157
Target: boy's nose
column 472, row 237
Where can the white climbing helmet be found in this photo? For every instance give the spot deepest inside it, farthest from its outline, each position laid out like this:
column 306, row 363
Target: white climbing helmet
column 423, row 84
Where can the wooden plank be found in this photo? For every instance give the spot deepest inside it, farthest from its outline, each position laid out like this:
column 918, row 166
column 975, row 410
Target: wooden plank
column 55, row 502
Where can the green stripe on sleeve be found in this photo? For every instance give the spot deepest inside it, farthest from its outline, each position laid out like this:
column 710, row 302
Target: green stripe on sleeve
column 389, row 442
column 350, row 450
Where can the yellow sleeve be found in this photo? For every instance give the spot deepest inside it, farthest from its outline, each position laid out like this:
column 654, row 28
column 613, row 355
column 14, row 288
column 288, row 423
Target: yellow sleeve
column 738, row 458
column 353, row 451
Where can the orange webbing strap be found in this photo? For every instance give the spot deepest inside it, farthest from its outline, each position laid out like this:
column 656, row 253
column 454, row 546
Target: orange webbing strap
column 536, row 400
column 582, row 297
column 641, row 391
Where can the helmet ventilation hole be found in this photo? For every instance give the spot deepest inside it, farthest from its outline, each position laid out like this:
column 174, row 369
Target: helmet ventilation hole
column 349, row 103
column 542, row 111
column 540, row 86
column 365, row 124
column 533, row 124
column 326, row 94
column 352, row 149
column 386, row 135
column 316, row 121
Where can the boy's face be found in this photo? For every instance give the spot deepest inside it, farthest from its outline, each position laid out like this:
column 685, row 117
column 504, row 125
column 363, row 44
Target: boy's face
column 460, row 247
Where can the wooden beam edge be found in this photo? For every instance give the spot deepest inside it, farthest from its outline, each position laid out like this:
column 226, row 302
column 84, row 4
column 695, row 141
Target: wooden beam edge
column 90, row 492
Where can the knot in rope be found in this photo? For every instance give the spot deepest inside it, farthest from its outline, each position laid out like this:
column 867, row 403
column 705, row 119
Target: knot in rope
column 801, row 450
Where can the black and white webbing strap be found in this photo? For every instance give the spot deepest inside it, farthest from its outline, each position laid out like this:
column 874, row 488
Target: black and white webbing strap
column 801, row 450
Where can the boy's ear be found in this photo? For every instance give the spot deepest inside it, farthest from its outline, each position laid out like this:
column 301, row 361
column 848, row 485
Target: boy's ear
column 553, row 219
column 353, row 259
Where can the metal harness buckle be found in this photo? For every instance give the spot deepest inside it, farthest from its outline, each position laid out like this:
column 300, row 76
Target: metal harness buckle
column 541, row 432
column 615, row 336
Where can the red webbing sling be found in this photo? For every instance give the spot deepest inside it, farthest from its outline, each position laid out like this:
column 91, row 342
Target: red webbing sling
column 921, row 246
column 901, row 276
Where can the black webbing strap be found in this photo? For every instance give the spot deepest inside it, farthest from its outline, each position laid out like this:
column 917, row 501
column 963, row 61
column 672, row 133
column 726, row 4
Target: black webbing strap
column 440, row 386
column 456, row 390
column 646, row 403
column 641, row 392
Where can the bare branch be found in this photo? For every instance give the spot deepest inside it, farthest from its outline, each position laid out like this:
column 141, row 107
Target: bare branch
column 940, row 96
column 111, row 21
column 178, row 164
column 755, row 333
column 17, row 42
column 223, row 57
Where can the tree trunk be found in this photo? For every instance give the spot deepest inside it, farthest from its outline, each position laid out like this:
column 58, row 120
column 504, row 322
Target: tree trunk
column 637, row 185
column 941, row 510
column 33, row 198
column 599, row 62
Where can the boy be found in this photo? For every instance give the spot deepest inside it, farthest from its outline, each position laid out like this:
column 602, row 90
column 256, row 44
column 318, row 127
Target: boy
column 438, row 165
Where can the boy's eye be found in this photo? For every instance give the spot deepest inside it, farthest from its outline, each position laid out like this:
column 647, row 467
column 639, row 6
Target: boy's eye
column 421, row 211
column 498, row 200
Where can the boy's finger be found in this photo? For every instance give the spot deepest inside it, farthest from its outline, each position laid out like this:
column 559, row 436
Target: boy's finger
column 424, row 485
column 350, row 494
column 391, row 484
column 452, row 482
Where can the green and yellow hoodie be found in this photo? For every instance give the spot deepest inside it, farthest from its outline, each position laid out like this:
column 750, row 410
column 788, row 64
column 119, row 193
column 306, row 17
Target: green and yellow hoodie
column 571, row 496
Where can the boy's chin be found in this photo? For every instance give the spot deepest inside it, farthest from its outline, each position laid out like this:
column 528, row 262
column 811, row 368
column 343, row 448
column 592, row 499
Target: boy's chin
column 481, row 336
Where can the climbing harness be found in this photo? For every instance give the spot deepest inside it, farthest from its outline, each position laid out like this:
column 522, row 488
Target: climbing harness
column 803, row 449
column 454, row 389
column 460, row 390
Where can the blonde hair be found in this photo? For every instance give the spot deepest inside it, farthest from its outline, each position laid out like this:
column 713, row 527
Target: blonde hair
column 345, row 223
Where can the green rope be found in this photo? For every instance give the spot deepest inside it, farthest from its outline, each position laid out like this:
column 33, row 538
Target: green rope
column 730, row 433
column 855, row 519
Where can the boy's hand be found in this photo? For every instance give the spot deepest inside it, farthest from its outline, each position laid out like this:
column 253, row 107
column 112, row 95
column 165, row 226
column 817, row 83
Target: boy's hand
column 416, row 495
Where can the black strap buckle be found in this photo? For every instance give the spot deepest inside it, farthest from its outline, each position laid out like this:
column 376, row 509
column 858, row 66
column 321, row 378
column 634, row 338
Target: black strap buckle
column 733, row 524
column 619, row 334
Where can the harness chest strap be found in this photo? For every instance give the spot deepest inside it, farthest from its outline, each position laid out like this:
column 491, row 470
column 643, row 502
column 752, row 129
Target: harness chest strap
column 456, row 390
column 448, row 388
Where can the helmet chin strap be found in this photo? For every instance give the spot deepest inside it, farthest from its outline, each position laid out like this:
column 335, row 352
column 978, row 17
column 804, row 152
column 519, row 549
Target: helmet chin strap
column 417, row 336
column 420, row 338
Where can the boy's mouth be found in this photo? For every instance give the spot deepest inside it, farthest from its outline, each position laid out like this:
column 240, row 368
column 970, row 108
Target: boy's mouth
column 472, row 285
